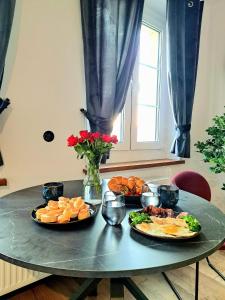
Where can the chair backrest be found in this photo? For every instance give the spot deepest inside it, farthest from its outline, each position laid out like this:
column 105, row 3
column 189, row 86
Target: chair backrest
column 194, row 183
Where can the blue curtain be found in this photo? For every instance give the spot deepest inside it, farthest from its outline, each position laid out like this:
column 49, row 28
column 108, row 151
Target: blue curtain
column 6, row 18
column 111, row 32
column 183, row 35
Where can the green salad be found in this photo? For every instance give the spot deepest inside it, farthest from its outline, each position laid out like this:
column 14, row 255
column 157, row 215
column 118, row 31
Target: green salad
column 193, row 223
column 139, row 217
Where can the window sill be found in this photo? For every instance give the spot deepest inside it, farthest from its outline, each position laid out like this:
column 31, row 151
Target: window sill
column 134, row 165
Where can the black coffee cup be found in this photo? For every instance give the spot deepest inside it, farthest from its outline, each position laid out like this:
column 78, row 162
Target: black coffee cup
column 169, row 195
column 52, row 190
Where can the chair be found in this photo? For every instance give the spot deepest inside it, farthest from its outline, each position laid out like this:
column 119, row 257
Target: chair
column 196, row 184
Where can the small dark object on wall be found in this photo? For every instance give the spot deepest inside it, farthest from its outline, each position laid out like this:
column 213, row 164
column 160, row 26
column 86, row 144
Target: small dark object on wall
column 48, row 136
column 3, row 182
column 4, row 104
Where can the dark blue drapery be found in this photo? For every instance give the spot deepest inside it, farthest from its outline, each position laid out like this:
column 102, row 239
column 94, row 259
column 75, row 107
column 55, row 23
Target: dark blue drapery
column 111, row 37
column 183, row 35
column 6, row 18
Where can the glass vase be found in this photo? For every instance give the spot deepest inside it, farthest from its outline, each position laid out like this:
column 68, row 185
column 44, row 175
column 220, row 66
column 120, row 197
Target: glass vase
column 92, row 181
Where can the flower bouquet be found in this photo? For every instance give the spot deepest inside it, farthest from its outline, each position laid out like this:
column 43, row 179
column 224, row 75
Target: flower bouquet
column 92, row 146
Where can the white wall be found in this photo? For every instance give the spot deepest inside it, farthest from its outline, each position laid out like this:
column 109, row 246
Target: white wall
column 46, row 86
column 217, row 59
column 45, row 82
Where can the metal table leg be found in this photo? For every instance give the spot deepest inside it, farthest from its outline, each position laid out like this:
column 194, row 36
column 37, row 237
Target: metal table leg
column 116, row 288
column 196, row 283
column 86, row 287
column 196, row 279
column 134, row 289
column 214, row 268
column 172, row 286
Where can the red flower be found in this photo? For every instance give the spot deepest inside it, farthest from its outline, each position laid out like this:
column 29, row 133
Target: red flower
column 114, row 139
column 95, row 135
column 84, row 134
column 91, row 139
column 106, row 138
column 72, row 141
column 81, row 140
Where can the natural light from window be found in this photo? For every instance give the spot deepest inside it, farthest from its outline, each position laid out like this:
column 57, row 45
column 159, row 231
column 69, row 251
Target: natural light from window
column 118, row 127
column 146, row 106
column 147, row 103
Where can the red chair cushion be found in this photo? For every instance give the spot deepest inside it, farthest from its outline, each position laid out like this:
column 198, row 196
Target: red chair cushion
column 194, row 183
column 222, row 247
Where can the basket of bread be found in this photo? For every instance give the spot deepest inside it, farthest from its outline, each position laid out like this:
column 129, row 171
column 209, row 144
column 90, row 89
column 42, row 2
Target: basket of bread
column 131, row 188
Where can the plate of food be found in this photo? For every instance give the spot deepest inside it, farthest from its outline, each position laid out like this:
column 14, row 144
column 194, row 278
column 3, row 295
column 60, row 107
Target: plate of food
column 63, row 212
column 164, row 223
column 131, row 188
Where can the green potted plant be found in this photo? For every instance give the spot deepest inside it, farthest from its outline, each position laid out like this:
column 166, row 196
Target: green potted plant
column 213, row 148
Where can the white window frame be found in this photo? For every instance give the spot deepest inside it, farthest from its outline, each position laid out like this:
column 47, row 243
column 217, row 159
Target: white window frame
column 129, row 134
column 135, row 145
column 126, row 123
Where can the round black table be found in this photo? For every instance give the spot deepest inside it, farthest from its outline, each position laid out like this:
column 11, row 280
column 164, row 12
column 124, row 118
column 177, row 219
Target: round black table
column 96, row 250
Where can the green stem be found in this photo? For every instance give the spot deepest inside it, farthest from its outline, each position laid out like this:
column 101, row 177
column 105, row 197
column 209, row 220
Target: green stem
column 93, row 176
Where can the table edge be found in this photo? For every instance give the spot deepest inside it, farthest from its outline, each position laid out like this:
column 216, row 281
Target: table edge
column 108, row 274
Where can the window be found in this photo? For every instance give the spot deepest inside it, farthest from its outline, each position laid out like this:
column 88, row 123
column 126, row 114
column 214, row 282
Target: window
column 146, row 120
column 118, row 127
column 145, row 100
column 140, row 119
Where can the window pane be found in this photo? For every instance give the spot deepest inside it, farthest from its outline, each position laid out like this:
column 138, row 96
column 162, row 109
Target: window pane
column 149, row 46
column 147, row 85
column 147, row 117
column 117, row 128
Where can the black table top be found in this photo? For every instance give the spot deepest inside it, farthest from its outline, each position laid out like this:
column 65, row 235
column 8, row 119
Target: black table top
column 96, row 249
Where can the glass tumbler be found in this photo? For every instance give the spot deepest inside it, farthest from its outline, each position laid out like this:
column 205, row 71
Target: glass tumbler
column 149, row 197
column 113, row 208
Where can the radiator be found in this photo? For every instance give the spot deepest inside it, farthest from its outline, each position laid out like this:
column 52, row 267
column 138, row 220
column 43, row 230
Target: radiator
column 13, row 277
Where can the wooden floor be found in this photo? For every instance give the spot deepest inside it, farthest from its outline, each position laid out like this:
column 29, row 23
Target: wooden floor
column 211, row 286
